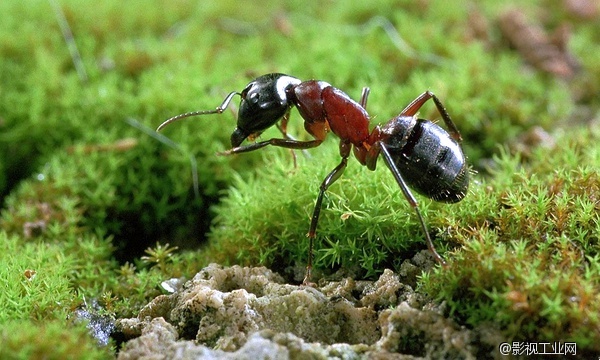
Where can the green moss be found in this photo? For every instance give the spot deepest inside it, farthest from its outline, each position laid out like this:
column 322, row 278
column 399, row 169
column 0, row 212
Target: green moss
column 48, row 340
column 357, row 227
column 87, row 219
column 38, row 296
column 34, row 280
column 79, row 184
column 525, row 240
column 528, row 259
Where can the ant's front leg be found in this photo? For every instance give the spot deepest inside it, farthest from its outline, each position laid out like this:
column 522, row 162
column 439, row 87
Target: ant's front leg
column 282, row 127
column 284, row 143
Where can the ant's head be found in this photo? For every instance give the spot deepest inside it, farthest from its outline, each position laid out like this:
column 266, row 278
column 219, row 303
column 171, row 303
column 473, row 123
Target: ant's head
column 264, row 102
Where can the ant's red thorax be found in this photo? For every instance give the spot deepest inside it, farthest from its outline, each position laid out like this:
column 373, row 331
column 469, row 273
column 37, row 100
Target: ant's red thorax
column 324, row 107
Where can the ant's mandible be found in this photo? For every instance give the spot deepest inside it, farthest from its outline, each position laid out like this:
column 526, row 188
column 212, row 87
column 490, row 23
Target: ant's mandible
column 420, row 154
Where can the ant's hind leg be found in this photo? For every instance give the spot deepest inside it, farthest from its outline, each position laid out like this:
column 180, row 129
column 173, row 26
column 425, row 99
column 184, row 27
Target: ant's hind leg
column 387, row 157
column 416, row 104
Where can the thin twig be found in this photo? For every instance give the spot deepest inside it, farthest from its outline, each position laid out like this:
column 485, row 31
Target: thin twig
column 70, row 40
column 170, row 143
column 538, row 48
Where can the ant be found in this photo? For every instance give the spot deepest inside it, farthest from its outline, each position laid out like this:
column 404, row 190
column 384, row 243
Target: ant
column 420, row 154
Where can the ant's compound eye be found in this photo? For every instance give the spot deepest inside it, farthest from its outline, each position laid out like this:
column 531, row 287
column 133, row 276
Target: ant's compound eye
column 244, row 93
column 251, row 95
column 253, row 98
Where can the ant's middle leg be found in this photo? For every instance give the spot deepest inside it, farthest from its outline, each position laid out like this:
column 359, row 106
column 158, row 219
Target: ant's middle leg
column 284, row 143
column 329, row 179
column 364, row 96
column 416, row 104
column 312, row 232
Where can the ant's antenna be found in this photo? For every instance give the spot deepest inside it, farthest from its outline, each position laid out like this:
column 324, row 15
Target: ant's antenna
column 218, row 110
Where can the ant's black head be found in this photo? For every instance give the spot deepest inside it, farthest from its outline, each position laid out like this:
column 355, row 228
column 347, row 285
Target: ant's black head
column 264, row 102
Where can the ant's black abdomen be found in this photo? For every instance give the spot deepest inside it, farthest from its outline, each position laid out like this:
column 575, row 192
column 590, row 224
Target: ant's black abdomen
column 429, row 160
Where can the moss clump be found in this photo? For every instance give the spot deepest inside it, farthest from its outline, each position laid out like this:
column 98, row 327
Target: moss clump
column 71, row 213
column 50, row 339
column 35, row 280
column 529, row 259
column 38, row 297
column 357, row 228
column 527, row 238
